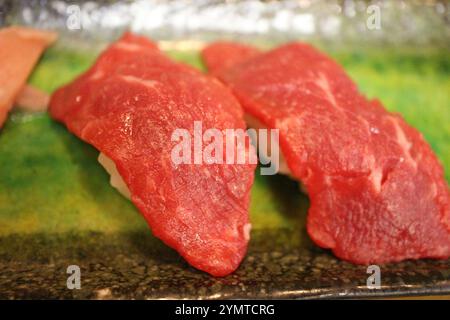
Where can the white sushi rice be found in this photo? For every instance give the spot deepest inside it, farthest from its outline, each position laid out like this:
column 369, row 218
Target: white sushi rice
column 115, row 178
column 283, row 168
column 263, row 144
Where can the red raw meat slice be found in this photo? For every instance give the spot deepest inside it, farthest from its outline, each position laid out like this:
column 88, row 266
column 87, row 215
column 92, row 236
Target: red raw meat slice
column 222, row 55
column 377, row 190
column 127, row 106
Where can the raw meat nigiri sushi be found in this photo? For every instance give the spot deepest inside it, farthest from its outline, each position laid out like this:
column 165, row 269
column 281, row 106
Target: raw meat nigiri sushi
column 377, row 190
column 20, row 49
column 127, row 106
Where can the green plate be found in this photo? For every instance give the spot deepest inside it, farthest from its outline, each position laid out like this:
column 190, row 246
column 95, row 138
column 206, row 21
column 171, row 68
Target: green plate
column 58, row 209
